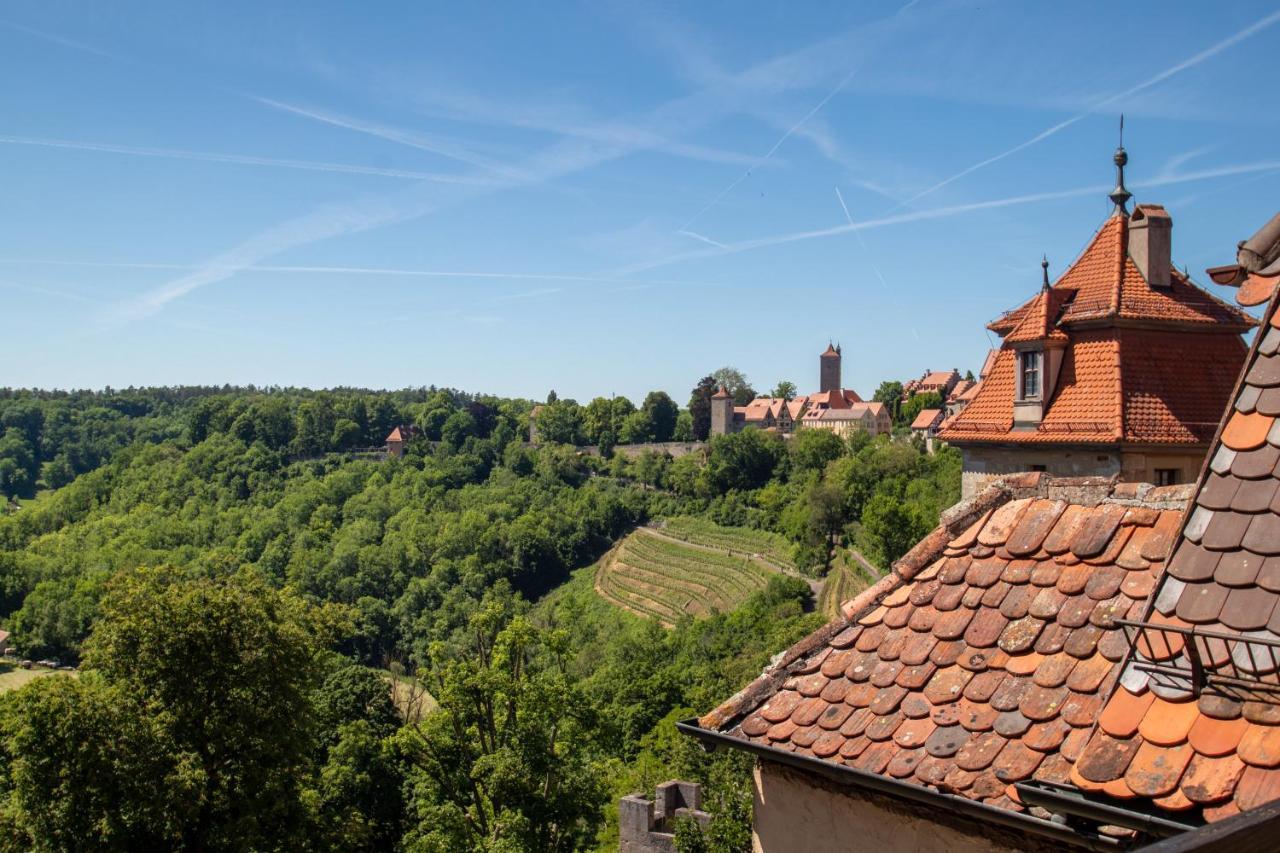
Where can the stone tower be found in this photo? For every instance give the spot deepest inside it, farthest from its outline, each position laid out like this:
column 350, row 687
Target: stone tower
column 721, row 412
column 829, row 369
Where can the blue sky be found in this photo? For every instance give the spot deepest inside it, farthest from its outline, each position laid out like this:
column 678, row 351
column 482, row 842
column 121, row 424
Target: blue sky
column 597, row 198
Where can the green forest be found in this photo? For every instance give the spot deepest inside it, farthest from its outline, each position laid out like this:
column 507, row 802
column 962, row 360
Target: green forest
column 238, row 575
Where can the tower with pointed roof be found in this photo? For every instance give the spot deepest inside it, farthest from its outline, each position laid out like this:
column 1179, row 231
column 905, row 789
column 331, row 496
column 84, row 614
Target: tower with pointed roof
column 721, row 412
column 1119, row 368
column 829, row 369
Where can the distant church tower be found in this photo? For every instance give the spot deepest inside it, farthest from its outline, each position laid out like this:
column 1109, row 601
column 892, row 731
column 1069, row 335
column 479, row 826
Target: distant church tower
column 829, row 370
column 721, row 412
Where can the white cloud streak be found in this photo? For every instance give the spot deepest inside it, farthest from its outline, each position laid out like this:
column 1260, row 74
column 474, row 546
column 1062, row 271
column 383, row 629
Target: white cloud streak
column 943, row 213
column 237, row 159
column 768, row 154
column 432, row 143
column 699, row 237
column 1191, row 62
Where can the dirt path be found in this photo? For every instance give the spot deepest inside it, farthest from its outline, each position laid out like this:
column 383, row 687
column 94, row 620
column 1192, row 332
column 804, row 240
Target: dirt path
column 872, row 571
column 761, row 559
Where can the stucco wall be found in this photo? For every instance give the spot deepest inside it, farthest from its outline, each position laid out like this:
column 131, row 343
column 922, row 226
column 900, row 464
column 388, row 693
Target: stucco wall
column 984, row 464
column 796, row 813
column 1142, row 467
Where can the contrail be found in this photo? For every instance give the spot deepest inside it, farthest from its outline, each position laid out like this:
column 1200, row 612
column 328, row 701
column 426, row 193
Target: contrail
column 785, row 136
column 943, row 212
column 861, row 242
column 422, row 142
column 1195, row 60
column 696, row 236
column 239, row 159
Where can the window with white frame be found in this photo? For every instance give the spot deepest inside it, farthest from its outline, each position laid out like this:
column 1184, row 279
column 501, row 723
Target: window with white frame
column 1029, row 373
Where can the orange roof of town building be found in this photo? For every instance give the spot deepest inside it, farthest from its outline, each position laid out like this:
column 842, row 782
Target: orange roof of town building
column 938, row 378
column 926, row 418
column 856, row 411
column 1132, row 370
column 984, row 658
column 840, row 399
column 1195, row 721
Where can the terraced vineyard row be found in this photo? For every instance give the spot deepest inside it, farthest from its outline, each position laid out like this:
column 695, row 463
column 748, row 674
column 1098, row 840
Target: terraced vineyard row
column 843, row 583
column 652, row 576
column 742, row 540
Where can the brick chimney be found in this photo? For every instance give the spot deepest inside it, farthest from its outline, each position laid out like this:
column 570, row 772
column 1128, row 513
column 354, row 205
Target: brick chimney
column 1150, row 236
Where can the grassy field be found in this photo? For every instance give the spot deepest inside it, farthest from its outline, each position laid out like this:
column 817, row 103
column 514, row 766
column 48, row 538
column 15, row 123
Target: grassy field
column 845, row 580
column 12, row 677
column 735, row 540
column 411, row 699
column 656, row 577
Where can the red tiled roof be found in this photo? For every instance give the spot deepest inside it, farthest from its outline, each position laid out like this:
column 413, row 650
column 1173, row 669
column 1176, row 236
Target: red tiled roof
column 395, row 435
column 1108, row 285
column 1133, row 370
column 1157, row 739
column 926, row 418
column 984, row 658
column 830, row 352
column 840, row 399
column 1115, row 385
column 939, row 377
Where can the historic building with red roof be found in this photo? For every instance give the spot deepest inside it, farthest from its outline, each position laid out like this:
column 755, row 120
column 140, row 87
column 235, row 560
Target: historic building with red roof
column 1120, row 367
column 832, row 407
column 1064, row 663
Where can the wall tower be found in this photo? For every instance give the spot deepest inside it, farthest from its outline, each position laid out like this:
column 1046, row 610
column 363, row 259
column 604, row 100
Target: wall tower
column 721, row 412
column 829, row 369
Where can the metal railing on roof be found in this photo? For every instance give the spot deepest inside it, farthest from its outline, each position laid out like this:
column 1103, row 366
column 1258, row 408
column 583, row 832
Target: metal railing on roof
column 1200, row 660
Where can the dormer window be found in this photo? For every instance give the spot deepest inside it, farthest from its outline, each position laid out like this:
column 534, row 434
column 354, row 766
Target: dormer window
column 1029, row 363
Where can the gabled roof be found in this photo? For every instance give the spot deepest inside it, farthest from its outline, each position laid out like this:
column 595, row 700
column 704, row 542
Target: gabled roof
column 839, row 399
column 939, row 377
column 1168, row 736
column 1133, row 368
column 856, row 411
column 1105, row 284
column 926, row 418
column 984, row 658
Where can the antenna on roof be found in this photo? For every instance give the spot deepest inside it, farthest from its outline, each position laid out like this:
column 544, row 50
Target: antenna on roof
column 1044, row 265
column 1120, row 195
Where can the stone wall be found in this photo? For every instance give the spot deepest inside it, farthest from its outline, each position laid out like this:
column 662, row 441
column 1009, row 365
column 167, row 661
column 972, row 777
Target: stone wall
column 984, row 464
column 674, row 449
column 648, row 826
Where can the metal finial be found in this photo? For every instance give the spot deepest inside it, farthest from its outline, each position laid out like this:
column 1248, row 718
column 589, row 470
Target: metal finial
column 1120, row 196
column 1044, row 265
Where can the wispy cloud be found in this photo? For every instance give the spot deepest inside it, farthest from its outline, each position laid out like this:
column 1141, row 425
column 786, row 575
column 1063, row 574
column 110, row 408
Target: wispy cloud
column 358, row 271
column 679, row 117
column 433, row 143
column 772, row 150
column 696, row 236
column 1267, row 166
column 59, row 40
column 1191, row 62
column 238, row 159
